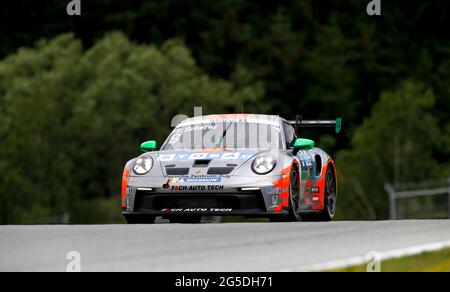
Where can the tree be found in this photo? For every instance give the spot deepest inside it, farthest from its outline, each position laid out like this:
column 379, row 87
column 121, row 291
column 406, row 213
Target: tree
column 318, row 57
column 396, row 144
column 71, row 118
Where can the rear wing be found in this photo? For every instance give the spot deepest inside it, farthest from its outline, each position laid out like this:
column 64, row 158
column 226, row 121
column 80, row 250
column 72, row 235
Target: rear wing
column 301, row 123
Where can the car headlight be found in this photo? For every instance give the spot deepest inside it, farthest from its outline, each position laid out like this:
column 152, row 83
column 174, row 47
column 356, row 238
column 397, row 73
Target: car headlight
column 143, row 165
column 264, row 164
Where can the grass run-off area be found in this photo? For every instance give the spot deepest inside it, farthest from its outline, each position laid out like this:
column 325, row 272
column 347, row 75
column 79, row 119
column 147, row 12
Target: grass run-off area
column 438, row 261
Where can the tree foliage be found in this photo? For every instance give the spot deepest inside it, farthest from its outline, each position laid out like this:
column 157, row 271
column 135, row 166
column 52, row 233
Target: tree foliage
column 71, row 118
column 396, row 144
column 73, row 107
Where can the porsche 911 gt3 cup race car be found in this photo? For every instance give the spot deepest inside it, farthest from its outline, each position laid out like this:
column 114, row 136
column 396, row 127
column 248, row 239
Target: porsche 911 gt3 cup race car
column 243, row 164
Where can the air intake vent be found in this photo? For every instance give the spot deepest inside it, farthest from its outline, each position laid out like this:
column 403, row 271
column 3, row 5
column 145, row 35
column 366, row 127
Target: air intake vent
column 220, row 170
column 177, row 171
column 202, row 162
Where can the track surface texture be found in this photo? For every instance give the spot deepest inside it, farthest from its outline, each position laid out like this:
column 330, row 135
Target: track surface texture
column 234, row 247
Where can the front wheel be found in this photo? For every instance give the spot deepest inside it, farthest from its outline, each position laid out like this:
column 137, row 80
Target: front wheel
column 329, row 210
column 294, row 199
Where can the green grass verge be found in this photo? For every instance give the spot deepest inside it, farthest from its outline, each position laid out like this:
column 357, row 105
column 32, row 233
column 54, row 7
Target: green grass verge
column 427, row 262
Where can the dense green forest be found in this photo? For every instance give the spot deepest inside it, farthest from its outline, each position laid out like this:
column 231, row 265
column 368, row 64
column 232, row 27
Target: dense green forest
column 78, row 94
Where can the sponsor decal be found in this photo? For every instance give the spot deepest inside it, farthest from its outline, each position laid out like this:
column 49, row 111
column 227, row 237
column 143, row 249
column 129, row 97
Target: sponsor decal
column 275, row 201
column 315, row 190
column 196, row 210
column 201, row 180
column 204, row 127
column 273, row 190
column 196, row 188
column 129, row 191
column 305, row 159
column 194, row 179
column 166, row 185
column 194, row 156
column 178, row 133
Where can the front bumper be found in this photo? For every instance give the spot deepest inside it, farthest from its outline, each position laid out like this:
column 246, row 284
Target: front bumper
column 259, row 199
column 229, row 203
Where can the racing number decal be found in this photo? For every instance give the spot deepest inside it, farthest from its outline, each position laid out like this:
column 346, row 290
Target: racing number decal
column 176, row 136
column 305, row 159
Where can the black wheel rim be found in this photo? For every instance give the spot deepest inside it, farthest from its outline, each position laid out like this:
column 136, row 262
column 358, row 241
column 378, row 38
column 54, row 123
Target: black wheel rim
column 331, row 192
column 295, row 191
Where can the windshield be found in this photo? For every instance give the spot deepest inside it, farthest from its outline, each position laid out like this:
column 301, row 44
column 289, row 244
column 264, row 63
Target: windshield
column 225, row 135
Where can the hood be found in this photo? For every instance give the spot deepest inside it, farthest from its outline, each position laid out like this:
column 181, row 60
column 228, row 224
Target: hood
column 203, row 163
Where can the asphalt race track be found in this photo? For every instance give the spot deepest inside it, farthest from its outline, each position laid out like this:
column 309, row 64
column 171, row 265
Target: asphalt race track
column 209, row 247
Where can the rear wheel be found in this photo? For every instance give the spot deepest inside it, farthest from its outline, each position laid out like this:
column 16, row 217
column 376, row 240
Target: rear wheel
column 329, row 210
column 140, row 219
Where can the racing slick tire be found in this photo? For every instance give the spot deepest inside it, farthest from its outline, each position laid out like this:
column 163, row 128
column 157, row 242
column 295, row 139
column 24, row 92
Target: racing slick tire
column 329, row 210
column 140, row 219
column 294, row 199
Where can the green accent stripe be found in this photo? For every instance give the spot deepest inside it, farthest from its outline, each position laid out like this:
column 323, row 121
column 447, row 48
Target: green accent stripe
column 338, row 125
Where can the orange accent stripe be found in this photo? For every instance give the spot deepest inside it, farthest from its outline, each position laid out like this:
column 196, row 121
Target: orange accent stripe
column 286, row 171
column 284, row 196
column 125, row 176
column 283, row 182
column 279, row 208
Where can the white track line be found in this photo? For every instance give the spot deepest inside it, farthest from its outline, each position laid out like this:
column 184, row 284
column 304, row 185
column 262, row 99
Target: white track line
column 362, row 260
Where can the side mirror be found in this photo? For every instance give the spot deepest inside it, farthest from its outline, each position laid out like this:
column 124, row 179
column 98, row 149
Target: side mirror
column 148, row 146
column 303, row 144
